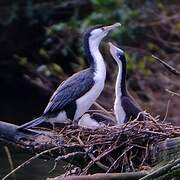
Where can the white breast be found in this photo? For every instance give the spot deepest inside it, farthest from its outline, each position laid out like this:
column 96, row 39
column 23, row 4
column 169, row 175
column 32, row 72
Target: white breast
column 87, row 122
column 118, row 110
column 60, row 118
column 85, row 101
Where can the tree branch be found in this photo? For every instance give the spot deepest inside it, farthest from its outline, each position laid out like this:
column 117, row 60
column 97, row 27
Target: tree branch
column 104, row 176
column 170, row 68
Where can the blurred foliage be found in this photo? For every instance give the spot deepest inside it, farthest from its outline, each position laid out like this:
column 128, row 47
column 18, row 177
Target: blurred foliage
column 49, row 32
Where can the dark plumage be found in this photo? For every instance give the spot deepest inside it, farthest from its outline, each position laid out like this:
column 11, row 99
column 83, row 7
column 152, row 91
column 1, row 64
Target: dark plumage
column 130, row 107
column 70, row 90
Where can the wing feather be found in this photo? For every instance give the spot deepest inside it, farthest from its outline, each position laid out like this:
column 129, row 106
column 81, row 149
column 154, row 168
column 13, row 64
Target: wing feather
column 70, row 90
column 130, row 107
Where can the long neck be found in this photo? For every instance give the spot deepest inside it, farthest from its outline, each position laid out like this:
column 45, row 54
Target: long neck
column 95, row 58
column 120, row 89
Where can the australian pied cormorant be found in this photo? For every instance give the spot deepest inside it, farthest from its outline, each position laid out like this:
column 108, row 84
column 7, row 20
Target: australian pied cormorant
column 125, row 108
column 75, row 95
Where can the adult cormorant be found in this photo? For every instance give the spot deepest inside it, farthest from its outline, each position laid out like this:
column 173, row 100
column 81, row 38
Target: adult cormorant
column 75, row 95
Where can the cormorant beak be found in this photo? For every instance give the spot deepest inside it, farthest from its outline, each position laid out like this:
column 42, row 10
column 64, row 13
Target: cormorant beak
column 109, row 28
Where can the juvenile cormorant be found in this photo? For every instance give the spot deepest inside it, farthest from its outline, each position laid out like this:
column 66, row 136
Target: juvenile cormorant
column 124, row 106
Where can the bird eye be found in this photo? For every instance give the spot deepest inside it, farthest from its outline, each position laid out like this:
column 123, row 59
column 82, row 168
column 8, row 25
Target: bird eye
column 102, row 28
column 119, row 55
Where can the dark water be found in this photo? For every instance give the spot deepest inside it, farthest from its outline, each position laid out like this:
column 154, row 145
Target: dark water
column 38, row 169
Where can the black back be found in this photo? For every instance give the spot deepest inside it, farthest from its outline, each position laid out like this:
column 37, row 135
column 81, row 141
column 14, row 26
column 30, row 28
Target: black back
column 123, row 80
column 65, row 96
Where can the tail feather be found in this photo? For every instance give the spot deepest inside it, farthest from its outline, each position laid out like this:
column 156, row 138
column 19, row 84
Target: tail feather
column 32, row 123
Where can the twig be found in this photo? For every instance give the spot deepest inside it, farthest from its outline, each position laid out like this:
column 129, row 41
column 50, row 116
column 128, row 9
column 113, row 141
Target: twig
column 154, row 132
column 95, row 110
column 170, row 68
column 167, row 109
column 146, row 154
column 28, row 161
column 126, row 150
column 54, row 167
column 70, row 156
column 92, row 158
column 102, row 155
column 155, row 121
column 10, row 160
column 173, row 93
column 138, row 116
column 103, row 109
column 130, row 161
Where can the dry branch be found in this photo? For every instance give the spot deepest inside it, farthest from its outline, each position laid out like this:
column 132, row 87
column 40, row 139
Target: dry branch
column 170, row 68
column 173, row 93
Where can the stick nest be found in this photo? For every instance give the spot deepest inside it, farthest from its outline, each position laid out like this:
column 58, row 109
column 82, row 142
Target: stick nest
column 115, row 148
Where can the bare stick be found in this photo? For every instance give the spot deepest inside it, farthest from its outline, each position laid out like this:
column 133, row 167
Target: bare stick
column 173, row 93
column 146, row 154
column 119, row 158
column 70, row 156
column 103, row 109
column 167, row 109
column 10, row 160
column 170, row 68
column 92, row 158
column 101, row 156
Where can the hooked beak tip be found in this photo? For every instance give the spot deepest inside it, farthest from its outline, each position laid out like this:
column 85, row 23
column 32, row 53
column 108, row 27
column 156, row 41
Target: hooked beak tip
column 109, row 28
column 117, row 24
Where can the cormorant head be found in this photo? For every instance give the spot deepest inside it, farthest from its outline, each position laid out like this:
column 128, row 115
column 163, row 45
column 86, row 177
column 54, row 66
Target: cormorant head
column 97, row 33
column 117, row 53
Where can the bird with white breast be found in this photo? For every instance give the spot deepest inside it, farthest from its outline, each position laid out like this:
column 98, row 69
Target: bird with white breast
column 75, row 95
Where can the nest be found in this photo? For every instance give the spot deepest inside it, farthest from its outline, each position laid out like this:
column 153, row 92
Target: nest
column 126, row 148
column 135, row 146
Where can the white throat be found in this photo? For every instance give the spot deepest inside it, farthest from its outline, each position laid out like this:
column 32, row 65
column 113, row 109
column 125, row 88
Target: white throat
column 118, row 110
column 100, row 67
column 118, row 81
column 85, row 102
